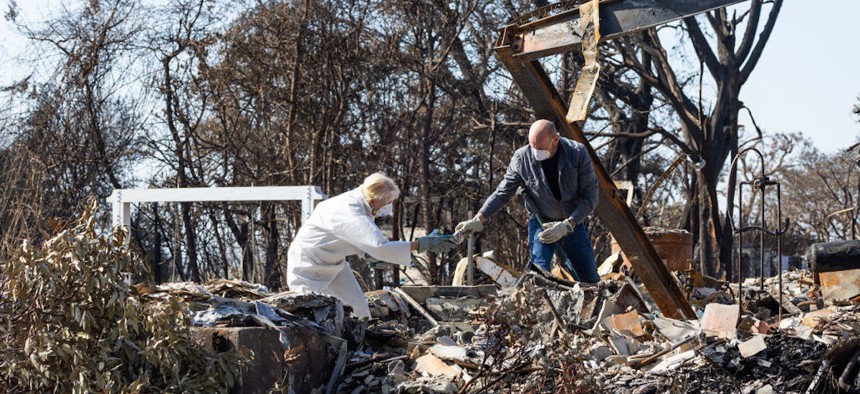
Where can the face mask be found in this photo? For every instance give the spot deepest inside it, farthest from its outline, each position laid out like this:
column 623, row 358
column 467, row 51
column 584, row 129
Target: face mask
column 386, row 210
column 540, row 154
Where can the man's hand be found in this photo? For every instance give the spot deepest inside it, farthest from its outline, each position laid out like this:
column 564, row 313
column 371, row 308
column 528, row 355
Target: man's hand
column 472, row 225
column 554, row 231
column 436, row 244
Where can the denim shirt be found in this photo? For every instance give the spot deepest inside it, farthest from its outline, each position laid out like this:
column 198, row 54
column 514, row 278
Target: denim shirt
column 576, row 180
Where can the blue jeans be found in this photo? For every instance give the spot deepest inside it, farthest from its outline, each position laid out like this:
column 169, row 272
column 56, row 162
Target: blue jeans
column 576, row 245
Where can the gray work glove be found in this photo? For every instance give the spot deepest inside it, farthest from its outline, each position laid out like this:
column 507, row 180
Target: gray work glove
column 472, row 225
column 554, row 231
column 436, row 244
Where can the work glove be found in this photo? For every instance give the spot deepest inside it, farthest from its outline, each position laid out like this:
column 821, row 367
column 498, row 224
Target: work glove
column 472, row 225
column 554, row 231
column 436, row 244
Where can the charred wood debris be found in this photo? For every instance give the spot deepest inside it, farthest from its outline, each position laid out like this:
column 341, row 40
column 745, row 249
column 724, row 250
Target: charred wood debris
column 552, row 336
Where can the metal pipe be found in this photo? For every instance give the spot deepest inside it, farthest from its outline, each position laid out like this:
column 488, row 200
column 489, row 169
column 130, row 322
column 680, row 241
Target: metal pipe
column 741, row 267
column 779, row 243
column 470, row 260
column 761, row 234
column 470, row 257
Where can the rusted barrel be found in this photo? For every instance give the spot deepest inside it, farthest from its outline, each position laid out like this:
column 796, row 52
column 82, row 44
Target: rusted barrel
column 674, row 246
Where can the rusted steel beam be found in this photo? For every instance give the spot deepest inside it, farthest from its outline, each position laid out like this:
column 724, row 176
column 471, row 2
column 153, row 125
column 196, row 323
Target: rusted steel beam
column 548, row 104
column 560, row 32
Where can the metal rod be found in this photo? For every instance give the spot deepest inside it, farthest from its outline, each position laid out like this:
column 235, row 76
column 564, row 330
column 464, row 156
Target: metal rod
column 470, row 260
column 741, row 267
column 779, row 243
column 470, row 257
column 761, row 235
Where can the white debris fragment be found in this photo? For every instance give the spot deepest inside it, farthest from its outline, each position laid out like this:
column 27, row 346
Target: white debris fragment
column 752, row 346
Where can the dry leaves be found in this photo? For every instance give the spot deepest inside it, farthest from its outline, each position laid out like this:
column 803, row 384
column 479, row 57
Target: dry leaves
column 73, row 323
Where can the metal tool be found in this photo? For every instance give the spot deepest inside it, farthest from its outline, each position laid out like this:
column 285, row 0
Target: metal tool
column 531, row 208
column 458, row 237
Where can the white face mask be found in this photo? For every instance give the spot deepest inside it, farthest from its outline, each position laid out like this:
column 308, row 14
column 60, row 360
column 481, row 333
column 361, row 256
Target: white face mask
column 540, row 154
column 386, row 210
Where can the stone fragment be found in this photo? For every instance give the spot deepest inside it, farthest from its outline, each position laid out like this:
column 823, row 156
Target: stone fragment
column 752, row 346
column 449, row 353
column 766, row 389
column 600, row 352
column 433, row 366
column 621, row 345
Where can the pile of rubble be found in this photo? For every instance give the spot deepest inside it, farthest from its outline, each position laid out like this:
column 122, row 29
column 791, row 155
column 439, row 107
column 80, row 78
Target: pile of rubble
column 550, row 335
column 539, row 334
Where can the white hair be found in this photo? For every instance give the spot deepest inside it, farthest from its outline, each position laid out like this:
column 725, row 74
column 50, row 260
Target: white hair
column 380, row 187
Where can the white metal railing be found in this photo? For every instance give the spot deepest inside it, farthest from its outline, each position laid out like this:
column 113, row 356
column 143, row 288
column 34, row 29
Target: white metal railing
column 121, row 199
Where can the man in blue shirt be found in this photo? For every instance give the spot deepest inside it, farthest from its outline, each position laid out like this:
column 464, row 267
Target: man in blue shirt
column 558, row 176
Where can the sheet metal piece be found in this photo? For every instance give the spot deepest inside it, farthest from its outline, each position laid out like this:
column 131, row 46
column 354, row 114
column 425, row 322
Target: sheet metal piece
column 530, row 76
column 590, row 19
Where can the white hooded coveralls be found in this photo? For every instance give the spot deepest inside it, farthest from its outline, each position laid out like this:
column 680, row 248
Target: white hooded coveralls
column 339, row 227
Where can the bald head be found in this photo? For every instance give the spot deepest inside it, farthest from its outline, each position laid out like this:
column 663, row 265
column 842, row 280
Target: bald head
column 542, row 134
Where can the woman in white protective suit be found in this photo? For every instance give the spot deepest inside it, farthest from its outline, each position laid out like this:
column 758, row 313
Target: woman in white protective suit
column 342, row 226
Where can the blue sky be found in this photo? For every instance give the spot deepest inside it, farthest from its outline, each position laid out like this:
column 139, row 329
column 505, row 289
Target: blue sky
column 807, row 80
column 808, row 77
